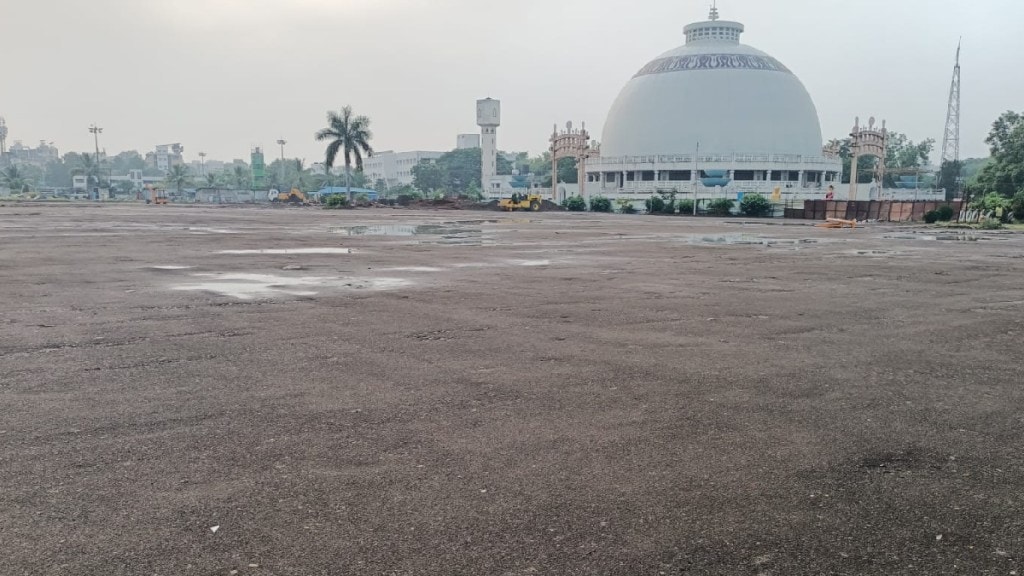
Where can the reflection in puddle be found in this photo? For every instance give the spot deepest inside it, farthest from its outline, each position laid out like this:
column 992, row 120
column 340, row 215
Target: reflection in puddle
column 460, row 232
column 290, row 251
column 251, row 286
column 170, row 267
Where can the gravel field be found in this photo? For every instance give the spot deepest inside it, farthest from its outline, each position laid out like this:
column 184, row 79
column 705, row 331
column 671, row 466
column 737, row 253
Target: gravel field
column 294, row 391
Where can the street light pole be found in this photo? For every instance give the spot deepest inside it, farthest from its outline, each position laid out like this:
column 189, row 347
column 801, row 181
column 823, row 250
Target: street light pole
column 281, row 142
column 96, row 131
column 202, row 164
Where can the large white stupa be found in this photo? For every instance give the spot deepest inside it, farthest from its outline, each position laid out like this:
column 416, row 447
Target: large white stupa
column 713, row 115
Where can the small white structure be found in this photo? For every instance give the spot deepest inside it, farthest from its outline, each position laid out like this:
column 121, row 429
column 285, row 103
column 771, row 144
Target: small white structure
column 467, row 141
column 395, row 168
column 488, row 118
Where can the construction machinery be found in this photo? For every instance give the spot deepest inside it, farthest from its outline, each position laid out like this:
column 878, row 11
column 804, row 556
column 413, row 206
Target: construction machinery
column 518, row 201
column 294, row 196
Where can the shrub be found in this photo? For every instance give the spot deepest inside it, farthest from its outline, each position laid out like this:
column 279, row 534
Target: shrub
column 685, row 207
column 654, row 204
column 990, row 202
column 944, row 213
column 626, row 206
column 405, row 199
column 1017, row 205
column 720, row 207
column 755, row 205
column 991, row 224
column 362, row 199
column 931, row 217
column 600, row 204
column 336, row 201
column 575, row 204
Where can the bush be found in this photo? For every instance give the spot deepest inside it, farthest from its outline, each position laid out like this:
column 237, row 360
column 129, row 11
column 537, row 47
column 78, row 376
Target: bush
column 931, row 217
column 990, row 202
column 720, row 207
column 336, row 201
column 626, row 206
column 654, row 204
column 575, row 204
column 600, row 204
column 755, row 205
column 362, row 199
column 991, row 224
column 1017, row 205
column 685, row 207
column 406, row 199
column 944, row 213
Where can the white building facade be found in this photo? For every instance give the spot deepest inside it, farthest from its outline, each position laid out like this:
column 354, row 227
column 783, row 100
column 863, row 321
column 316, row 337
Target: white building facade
column 713, row 117
column 395, row 168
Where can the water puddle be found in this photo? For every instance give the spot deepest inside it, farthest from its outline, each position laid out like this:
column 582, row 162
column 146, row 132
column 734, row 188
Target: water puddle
column 943, row 237
column 462, row 232
column 289, row 251
column 170, row 267
column 261, row 286
column 745, row 240
column 410, row 269
column 530, row 262
column 872, row 253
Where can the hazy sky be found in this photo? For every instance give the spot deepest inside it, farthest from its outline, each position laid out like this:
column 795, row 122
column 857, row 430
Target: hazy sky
column 223, row 75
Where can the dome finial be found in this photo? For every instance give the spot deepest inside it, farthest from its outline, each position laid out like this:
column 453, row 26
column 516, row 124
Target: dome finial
column 714, row 11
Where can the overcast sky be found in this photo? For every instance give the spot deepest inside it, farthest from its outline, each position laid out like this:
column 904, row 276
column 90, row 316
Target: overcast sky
column 222, row 75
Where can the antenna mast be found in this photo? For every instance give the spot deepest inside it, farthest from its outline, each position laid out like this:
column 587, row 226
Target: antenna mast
column 951, row 136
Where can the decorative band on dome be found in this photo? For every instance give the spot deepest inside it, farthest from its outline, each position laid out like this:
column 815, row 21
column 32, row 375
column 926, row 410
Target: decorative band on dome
column 712, row 62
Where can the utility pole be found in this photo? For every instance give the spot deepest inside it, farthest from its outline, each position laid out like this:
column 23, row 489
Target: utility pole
column 281, row 142
column 696, row 177
column 96, row 131
column 202, row 164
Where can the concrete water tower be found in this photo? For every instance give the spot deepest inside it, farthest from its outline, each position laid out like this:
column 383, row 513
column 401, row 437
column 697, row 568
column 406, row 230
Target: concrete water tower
column 488, row 118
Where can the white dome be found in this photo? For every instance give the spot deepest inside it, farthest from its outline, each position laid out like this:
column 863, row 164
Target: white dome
column 731, row 98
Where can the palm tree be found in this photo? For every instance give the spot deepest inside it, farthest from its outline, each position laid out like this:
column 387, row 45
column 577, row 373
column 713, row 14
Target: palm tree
column 211, row 179
column 177, row 176
column 14, row 179
column 90, row 168
column 349, row 135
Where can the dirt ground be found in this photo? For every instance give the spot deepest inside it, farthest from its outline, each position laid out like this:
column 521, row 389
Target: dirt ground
column 292, row 391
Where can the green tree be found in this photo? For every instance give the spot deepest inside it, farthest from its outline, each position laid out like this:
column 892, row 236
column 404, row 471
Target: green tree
column 1004, row 174
column 299, row 166
column 57, row 173
column 241, row 178
column 428, row 176
column 125, row 187
column 211, row 179
column 125, row 161
column 349, row 135
column 90, row 168
column 14, row 179
column 177, row 176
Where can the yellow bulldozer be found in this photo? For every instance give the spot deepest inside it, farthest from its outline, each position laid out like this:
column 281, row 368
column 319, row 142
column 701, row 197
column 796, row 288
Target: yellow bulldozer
column 531, row 202
column 294, row 196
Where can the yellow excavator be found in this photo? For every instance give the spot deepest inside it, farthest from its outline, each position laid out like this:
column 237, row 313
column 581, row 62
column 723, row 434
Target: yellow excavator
column 519, row 201
column 294, row 196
